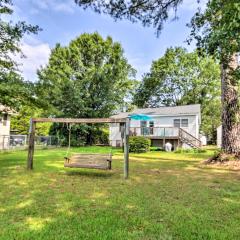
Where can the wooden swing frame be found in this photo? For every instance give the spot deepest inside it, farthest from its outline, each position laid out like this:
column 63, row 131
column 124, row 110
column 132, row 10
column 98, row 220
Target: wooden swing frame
column 124, row 121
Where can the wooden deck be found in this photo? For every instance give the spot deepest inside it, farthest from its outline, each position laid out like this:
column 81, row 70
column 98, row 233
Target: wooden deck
column 175, row 135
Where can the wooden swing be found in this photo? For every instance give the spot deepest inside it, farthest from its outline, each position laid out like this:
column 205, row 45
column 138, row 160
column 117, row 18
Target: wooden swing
column 125, row 121
column 87, row 160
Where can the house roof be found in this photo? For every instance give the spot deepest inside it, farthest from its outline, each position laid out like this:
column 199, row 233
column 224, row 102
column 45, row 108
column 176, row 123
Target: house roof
column 194, row 109
column 8, row 110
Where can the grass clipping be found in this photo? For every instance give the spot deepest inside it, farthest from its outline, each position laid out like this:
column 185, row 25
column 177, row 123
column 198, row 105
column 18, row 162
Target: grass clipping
column 230, row 161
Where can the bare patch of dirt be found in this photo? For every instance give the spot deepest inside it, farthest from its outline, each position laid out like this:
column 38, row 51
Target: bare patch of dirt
column 229, row 161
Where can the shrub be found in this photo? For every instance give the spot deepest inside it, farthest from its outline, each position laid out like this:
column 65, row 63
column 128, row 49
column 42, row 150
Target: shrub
column 156, row 149
column 139, row 144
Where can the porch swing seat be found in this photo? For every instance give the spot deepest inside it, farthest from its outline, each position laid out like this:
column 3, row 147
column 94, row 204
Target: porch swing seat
column 91, row 161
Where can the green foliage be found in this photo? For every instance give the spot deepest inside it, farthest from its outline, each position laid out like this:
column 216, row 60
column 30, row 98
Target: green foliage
column 81, row 134
column 154, row 12
column 90, row 78
column 155, row 149
column 181, row 78
column 217, row 29
column 20, row 122
column 139, row 144
column 13, row 90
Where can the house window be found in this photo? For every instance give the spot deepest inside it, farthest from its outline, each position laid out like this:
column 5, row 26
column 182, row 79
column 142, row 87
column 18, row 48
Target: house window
column 5, row 117
column 180, row 123
column 143, row 125
column 176, row 123
column 151, row 124
column 121, row 127
column 184, row 122
column 151, row 127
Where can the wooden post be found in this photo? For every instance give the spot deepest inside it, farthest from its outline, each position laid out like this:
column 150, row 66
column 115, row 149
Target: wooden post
column 126, row 148
column 31, row 145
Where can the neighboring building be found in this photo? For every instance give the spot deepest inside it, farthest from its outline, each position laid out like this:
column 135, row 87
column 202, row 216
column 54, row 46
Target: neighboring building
column 5, row 116
column 178, row 125
column 219, row 136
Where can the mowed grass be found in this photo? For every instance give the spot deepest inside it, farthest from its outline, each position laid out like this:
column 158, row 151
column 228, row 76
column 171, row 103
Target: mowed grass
column 168, row 196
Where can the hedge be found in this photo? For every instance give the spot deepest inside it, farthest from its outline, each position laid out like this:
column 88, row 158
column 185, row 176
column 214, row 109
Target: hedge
column 139, row 144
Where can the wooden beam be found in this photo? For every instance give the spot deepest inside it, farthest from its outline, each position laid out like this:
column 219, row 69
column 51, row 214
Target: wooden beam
column 80, row 120
column 31, row 145
column 126, row 148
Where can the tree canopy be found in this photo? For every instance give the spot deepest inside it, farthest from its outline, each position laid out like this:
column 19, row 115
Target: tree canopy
column 88, row 78
column 217, row 29
column 20, row 121
column 181, row 78
column 154, row 12
column 13, row 90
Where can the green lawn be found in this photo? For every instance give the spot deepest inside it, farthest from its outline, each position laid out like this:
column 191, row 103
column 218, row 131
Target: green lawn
column 168, row 196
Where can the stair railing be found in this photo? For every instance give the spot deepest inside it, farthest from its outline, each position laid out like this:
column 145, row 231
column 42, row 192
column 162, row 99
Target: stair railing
column 189, row 139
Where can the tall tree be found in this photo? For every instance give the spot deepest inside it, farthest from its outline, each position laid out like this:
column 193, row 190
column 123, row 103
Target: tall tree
column 88, row 78
column 217, row 32
column 13, row 90
column 180, row 78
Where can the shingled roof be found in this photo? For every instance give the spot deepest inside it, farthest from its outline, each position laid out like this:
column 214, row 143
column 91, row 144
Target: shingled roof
column 194, row 109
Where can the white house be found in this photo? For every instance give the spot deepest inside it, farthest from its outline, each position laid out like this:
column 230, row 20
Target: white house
column 5, row 116
column 178, row 125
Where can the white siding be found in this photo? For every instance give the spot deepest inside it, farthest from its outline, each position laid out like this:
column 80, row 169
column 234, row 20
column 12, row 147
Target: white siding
column 159, row 121
column 4, row 130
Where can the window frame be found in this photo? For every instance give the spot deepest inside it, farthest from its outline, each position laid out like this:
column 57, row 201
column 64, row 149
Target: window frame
column 177, row 119
column 181, row 122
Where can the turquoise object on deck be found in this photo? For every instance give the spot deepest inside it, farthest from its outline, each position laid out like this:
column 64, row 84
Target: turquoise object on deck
column 140, row 117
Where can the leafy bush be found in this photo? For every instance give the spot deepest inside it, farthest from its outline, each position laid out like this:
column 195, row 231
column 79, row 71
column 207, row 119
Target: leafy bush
column 156, row 149
column 139, row 144
column 190, row 150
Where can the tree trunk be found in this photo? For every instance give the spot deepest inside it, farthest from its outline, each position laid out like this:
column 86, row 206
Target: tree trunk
column 230, row 109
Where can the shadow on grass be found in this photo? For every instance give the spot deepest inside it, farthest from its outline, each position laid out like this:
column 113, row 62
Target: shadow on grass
column 89, row 173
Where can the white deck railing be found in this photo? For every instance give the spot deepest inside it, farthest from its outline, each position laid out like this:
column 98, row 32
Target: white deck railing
column 155, row 131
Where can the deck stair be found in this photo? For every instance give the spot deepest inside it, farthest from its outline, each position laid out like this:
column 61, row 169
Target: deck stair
column 189, row 139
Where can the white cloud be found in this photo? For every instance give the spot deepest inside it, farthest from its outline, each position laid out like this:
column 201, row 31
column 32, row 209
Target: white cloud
column 64, row 6
column 37, row 54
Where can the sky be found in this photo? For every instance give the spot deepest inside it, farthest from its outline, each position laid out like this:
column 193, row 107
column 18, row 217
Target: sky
column 62, row 21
